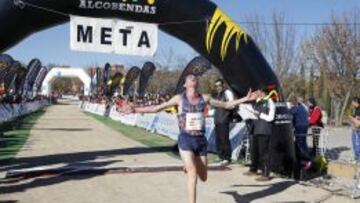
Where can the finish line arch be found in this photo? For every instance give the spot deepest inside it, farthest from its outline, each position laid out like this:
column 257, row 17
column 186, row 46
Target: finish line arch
column 59, row 72
column 199, row 23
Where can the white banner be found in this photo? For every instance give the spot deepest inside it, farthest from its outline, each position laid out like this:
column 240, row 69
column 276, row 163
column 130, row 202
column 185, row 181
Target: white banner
column 113, row 36
column 11, row 112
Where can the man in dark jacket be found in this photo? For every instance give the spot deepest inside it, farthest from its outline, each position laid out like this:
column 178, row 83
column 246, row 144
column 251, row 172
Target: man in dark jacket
column 300, row 123
column 264, row 109
column 222, row 119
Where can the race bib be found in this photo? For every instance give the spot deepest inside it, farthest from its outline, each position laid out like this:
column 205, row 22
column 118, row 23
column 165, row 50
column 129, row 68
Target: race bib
column 194, row 121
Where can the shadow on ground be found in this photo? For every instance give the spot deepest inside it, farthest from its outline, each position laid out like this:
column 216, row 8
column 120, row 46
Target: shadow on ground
column 64, row 129
column 7, row 186
column 13, row 135
column 334, row 153
column 270, row 189
column 78, row 157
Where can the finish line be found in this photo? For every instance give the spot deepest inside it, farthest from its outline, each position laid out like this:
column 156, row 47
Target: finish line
column 78, row 170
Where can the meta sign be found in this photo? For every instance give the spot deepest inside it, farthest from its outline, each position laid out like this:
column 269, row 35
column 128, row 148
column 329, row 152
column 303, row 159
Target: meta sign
column 113, row 36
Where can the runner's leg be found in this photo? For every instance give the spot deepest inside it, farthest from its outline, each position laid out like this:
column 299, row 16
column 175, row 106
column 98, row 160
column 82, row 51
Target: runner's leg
column 201, row 167
column 188, row 158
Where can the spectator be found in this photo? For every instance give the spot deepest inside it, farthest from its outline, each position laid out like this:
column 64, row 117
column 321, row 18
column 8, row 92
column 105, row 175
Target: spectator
column 222, row 120
column 264, row 109
column 355, row 122
column 315, row 123
column 300, row 123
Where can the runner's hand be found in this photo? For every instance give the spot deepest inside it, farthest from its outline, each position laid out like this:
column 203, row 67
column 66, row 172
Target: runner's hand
column 250, row 95
column 127, row 109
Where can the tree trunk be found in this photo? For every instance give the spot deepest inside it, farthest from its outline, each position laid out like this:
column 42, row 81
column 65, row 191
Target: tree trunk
column 337, row 112
column 311, row 83
column 345, row 103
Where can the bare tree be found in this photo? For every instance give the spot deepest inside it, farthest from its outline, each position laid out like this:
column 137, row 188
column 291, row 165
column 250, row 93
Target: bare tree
column 337, row 57
column 165, row 59
column 276, row 40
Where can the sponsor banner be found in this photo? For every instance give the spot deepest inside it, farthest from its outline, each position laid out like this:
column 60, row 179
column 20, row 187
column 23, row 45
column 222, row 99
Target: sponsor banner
column 147, row 71
column 145, row 120
column 98, row 109
column 3, row 114
column 127, row 119
column 237, row 135
column 167, row 124
column 130, row 78
column 197, row 66
column 210, row 133
column 10, row 112
column 106, row 73
column 113, row 36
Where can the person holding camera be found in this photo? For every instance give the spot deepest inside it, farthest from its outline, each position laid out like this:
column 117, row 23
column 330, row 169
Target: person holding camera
column 222, row 119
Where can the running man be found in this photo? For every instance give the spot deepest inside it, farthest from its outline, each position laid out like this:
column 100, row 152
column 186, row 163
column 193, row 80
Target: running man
column 191, row 141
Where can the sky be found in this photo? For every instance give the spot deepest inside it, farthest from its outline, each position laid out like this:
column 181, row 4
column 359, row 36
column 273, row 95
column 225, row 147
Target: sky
column 53, row 45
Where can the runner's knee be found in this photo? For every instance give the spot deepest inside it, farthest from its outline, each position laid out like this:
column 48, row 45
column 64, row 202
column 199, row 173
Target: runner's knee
column 203, row 176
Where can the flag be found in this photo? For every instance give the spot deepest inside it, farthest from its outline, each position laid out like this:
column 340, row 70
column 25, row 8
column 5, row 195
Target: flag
column 198, row 66
column 130, row 78
column 147, row 71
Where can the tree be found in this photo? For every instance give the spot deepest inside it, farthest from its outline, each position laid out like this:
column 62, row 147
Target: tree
column 276, row 40
column 337, row 59
column 67, row 85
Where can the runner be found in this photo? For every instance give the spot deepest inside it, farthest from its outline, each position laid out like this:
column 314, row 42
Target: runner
column 192, row 141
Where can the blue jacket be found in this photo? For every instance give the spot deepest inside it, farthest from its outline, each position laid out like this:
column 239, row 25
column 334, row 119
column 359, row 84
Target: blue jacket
column 300, row 115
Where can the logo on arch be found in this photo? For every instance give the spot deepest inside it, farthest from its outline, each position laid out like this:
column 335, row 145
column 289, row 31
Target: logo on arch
column 130, row 6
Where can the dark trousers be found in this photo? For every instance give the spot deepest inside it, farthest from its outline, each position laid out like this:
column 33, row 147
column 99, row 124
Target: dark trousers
column 260, row 157
column 254, row 153
column 300, row 138
column 223, row 145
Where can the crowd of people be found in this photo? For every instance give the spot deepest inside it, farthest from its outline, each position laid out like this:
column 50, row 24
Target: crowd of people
column 18, row 99
column 10, row 99
column 307, row 120
column 119, row 100
column 192, row 107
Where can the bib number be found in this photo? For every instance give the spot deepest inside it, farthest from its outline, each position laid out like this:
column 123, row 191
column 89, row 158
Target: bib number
column 194, row 121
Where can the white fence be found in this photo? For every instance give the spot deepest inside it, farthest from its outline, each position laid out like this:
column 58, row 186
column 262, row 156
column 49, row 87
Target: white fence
column 10, row 112
column 167, row 124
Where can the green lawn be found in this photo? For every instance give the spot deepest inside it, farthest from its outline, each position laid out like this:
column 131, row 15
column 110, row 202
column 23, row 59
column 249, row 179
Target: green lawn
column 141, row 135
column 15, row 135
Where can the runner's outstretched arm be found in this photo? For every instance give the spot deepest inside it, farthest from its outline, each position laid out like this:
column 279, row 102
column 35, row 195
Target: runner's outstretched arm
column 155, row 108
column 230, row 104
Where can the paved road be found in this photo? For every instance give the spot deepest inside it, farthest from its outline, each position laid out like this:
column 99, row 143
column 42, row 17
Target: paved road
column 64, row 136
column 339, row 144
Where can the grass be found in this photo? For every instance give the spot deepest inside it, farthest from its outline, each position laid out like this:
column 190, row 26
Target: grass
column 15, row 134
column 142, row 136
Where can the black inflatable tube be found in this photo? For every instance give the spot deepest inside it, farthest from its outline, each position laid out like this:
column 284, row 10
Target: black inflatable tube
column 199, row 23
column 243, row 68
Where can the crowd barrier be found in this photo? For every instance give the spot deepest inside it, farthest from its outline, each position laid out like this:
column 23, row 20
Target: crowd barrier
column 167, row 125
column 9, row 112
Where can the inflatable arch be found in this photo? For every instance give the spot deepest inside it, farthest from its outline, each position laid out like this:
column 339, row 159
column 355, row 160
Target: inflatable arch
column 199, row 23
column 66, row 72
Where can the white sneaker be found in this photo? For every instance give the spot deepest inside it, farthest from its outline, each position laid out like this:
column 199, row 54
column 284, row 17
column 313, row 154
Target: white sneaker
column 225, row 162
column 353, row 161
